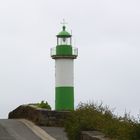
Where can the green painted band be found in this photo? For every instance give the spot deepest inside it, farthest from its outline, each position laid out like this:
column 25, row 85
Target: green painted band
column 64, row 98
column 64, row 50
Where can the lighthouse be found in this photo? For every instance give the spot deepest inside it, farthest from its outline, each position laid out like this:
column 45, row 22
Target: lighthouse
column 64, row 55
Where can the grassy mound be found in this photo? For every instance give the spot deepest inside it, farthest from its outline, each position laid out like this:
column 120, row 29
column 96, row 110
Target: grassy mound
column 88, row 117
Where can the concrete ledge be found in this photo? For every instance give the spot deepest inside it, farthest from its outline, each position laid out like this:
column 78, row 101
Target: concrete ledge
column 93, row 135
column 42, row 117
column 37, row 130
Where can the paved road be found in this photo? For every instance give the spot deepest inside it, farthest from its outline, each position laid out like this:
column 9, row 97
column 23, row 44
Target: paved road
column 15, row 130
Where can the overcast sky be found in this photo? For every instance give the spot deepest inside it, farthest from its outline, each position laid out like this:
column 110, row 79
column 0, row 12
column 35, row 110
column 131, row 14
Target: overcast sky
column 107, row 34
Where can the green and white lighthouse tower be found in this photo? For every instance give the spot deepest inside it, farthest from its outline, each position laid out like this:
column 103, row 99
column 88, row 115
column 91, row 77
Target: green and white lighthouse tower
column 64, row 55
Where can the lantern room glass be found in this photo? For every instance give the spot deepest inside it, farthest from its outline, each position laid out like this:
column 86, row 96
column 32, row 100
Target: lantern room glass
column 64, row 41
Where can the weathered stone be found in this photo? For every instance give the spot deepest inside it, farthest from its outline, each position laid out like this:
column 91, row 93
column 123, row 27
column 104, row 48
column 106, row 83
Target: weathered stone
column 40, row 116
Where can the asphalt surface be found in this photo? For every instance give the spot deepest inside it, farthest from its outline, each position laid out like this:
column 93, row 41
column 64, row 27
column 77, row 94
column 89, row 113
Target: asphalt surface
column 57, row 132
column 15, row 130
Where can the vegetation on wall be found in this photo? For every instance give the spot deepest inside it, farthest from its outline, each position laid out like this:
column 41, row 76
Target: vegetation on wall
column 42, row 104
column 91, row 116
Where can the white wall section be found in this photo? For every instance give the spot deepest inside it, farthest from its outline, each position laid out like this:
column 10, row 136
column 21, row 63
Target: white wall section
column 64, row 73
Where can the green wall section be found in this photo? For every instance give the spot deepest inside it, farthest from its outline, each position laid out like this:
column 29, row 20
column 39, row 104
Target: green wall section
column 64, row 98
column 64, row 50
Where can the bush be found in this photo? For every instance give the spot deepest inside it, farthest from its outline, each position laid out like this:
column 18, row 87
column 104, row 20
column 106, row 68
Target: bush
column 43, row 104
column 97, row 117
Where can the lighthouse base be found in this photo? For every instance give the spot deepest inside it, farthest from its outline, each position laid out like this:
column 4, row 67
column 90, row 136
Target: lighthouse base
column 64, row 98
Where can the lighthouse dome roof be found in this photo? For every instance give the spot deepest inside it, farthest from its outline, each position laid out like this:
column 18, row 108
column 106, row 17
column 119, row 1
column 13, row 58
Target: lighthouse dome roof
column 64, row 33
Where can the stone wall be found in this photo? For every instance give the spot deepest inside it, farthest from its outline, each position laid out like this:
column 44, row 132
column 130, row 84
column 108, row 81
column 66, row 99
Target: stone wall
column 93, row 135
column 40, row 116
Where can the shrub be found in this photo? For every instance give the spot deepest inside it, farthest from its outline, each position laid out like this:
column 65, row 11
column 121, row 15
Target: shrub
column 44, row 105
column 101, row 118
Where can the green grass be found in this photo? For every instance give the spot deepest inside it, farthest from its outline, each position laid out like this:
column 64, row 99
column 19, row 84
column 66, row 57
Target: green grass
column 101, row 118
column 42, row 104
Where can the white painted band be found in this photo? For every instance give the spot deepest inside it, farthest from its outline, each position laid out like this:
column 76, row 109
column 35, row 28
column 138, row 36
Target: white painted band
column 64, row 73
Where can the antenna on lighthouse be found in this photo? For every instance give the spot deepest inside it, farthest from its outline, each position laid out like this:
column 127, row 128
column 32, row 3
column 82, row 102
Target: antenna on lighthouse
column 63, row 23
